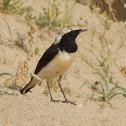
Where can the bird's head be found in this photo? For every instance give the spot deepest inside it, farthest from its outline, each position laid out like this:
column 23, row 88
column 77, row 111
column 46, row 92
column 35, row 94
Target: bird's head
column 68, row 33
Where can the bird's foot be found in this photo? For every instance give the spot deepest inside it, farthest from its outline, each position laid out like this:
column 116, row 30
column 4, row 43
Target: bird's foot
column 67, row 101
column 52, row 100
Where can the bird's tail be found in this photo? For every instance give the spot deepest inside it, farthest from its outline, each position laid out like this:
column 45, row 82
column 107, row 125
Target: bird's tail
column 30, row 85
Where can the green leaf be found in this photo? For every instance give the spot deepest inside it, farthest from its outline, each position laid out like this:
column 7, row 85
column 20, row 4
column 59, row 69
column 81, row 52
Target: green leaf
column 102, row 87
column 36, row 51
column 105, row 79
column 2, row 74
column 114, row 94
column 1, row 90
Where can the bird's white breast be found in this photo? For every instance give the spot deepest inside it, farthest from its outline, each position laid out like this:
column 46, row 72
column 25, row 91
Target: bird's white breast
column 58, row 66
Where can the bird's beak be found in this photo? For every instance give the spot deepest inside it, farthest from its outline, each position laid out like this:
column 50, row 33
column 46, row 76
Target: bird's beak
column 82, row 30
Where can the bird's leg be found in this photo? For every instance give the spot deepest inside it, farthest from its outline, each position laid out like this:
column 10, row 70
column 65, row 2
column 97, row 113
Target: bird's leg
column 65, row 101
column 50, row 92
column 59, row 83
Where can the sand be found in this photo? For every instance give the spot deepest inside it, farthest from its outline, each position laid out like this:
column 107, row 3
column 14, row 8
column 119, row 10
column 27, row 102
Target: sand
column 35, row 108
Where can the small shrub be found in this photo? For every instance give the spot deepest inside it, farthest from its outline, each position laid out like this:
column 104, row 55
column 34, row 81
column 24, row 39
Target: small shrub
column 2, row 90
column 50, row 18
column 14, row 6
column 102, row 88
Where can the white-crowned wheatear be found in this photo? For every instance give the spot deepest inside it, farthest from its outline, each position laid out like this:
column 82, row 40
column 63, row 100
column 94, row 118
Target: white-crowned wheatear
column 57, row 59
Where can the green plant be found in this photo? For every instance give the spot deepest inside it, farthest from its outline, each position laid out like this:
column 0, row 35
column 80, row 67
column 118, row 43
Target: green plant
column 102, row 88
column 67, row 20
column 42, row 21
column 104, row 64
column 50, row 17
column 36, row 51
column 15, row 87
column 14, row 6
column 10, row 5
column 86, row 60
column 5, row 4
column 93, row 5
column 2, row 90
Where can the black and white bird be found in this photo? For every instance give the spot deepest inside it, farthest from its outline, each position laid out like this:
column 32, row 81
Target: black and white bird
column 57, row 59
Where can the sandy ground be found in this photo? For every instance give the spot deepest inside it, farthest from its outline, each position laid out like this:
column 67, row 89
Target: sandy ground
column 36, row 109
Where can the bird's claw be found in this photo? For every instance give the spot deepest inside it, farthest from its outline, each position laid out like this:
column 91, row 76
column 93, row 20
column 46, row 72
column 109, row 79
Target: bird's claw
column 52, row 100
column 67, row 101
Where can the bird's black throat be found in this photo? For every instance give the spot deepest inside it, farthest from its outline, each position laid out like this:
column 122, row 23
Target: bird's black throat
column 69, row 47
column 67, row 42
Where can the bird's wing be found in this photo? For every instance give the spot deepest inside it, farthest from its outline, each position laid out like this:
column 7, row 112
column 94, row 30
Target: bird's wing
column 47, row 57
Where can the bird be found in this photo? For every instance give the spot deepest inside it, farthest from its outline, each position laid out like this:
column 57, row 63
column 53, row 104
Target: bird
column 56, row 60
